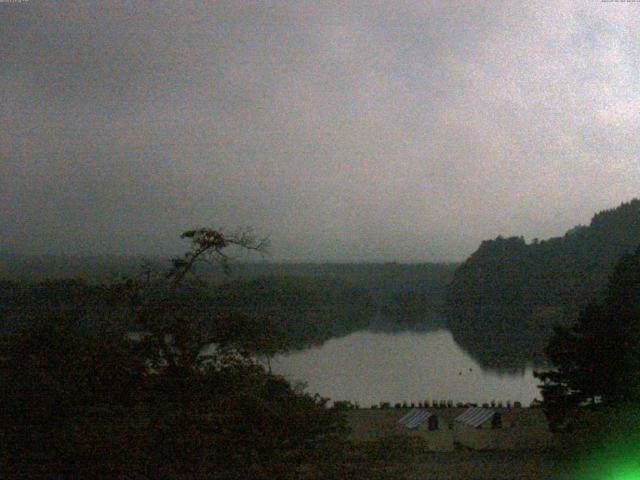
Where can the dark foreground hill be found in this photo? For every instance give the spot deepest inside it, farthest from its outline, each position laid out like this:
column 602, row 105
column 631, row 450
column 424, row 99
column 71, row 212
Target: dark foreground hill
column 505, row 298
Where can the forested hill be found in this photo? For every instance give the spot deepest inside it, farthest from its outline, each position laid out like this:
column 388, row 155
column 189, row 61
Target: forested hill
column 505, row 297
column 307, row 303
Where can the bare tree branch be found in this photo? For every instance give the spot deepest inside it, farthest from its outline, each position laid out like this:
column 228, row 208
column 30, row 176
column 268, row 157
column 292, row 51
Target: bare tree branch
column 208, row 245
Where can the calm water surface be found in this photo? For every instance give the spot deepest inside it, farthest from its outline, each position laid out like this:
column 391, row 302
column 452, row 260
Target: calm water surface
column 367, row 368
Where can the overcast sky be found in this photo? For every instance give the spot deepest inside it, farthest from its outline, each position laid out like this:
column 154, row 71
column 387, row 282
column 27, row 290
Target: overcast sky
column 404, row 131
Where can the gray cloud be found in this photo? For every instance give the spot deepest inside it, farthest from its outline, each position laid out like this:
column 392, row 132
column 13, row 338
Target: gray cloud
column 366, row 131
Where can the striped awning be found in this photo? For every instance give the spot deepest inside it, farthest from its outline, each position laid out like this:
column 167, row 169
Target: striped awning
column 475, row 416
column 415, row 418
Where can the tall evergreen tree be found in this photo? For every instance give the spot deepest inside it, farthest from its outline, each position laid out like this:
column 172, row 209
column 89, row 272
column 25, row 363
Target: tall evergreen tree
column 597, row 360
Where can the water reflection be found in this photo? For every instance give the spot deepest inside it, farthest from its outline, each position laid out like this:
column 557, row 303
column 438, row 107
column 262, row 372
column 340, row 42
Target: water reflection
column 368, row 367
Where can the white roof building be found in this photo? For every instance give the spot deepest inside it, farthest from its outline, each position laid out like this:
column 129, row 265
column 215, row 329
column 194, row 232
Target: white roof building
column 416, row 418
column 476, row 417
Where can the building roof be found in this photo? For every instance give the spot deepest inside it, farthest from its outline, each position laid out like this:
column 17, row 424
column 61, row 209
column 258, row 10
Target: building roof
column 475, row 416
column 415, row 418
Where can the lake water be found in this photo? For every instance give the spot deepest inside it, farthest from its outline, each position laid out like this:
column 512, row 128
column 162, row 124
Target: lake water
column 369, row 367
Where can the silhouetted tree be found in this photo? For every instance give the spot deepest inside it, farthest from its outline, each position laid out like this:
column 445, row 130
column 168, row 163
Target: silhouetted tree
column 186, row 398
column 597, row 360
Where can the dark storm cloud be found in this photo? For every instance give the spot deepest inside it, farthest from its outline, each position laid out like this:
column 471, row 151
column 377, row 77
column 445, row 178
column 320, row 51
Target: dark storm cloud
column 368, row 130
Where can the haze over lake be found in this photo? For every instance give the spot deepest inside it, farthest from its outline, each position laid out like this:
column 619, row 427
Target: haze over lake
column 369, row 367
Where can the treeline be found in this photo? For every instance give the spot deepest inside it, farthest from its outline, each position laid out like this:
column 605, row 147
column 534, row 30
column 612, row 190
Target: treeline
column 312, row 309
column 505, row 298
column 302, row 304
column 92, row 269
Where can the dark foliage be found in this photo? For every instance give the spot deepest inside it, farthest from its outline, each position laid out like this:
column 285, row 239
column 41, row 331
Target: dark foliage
column 84, row 400
column 504, row 299
column 597, row 360
column 85, row 406
column 291, row 305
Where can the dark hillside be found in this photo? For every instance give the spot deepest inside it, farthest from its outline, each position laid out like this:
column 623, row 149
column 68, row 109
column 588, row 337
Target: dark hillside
column 505, row 297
